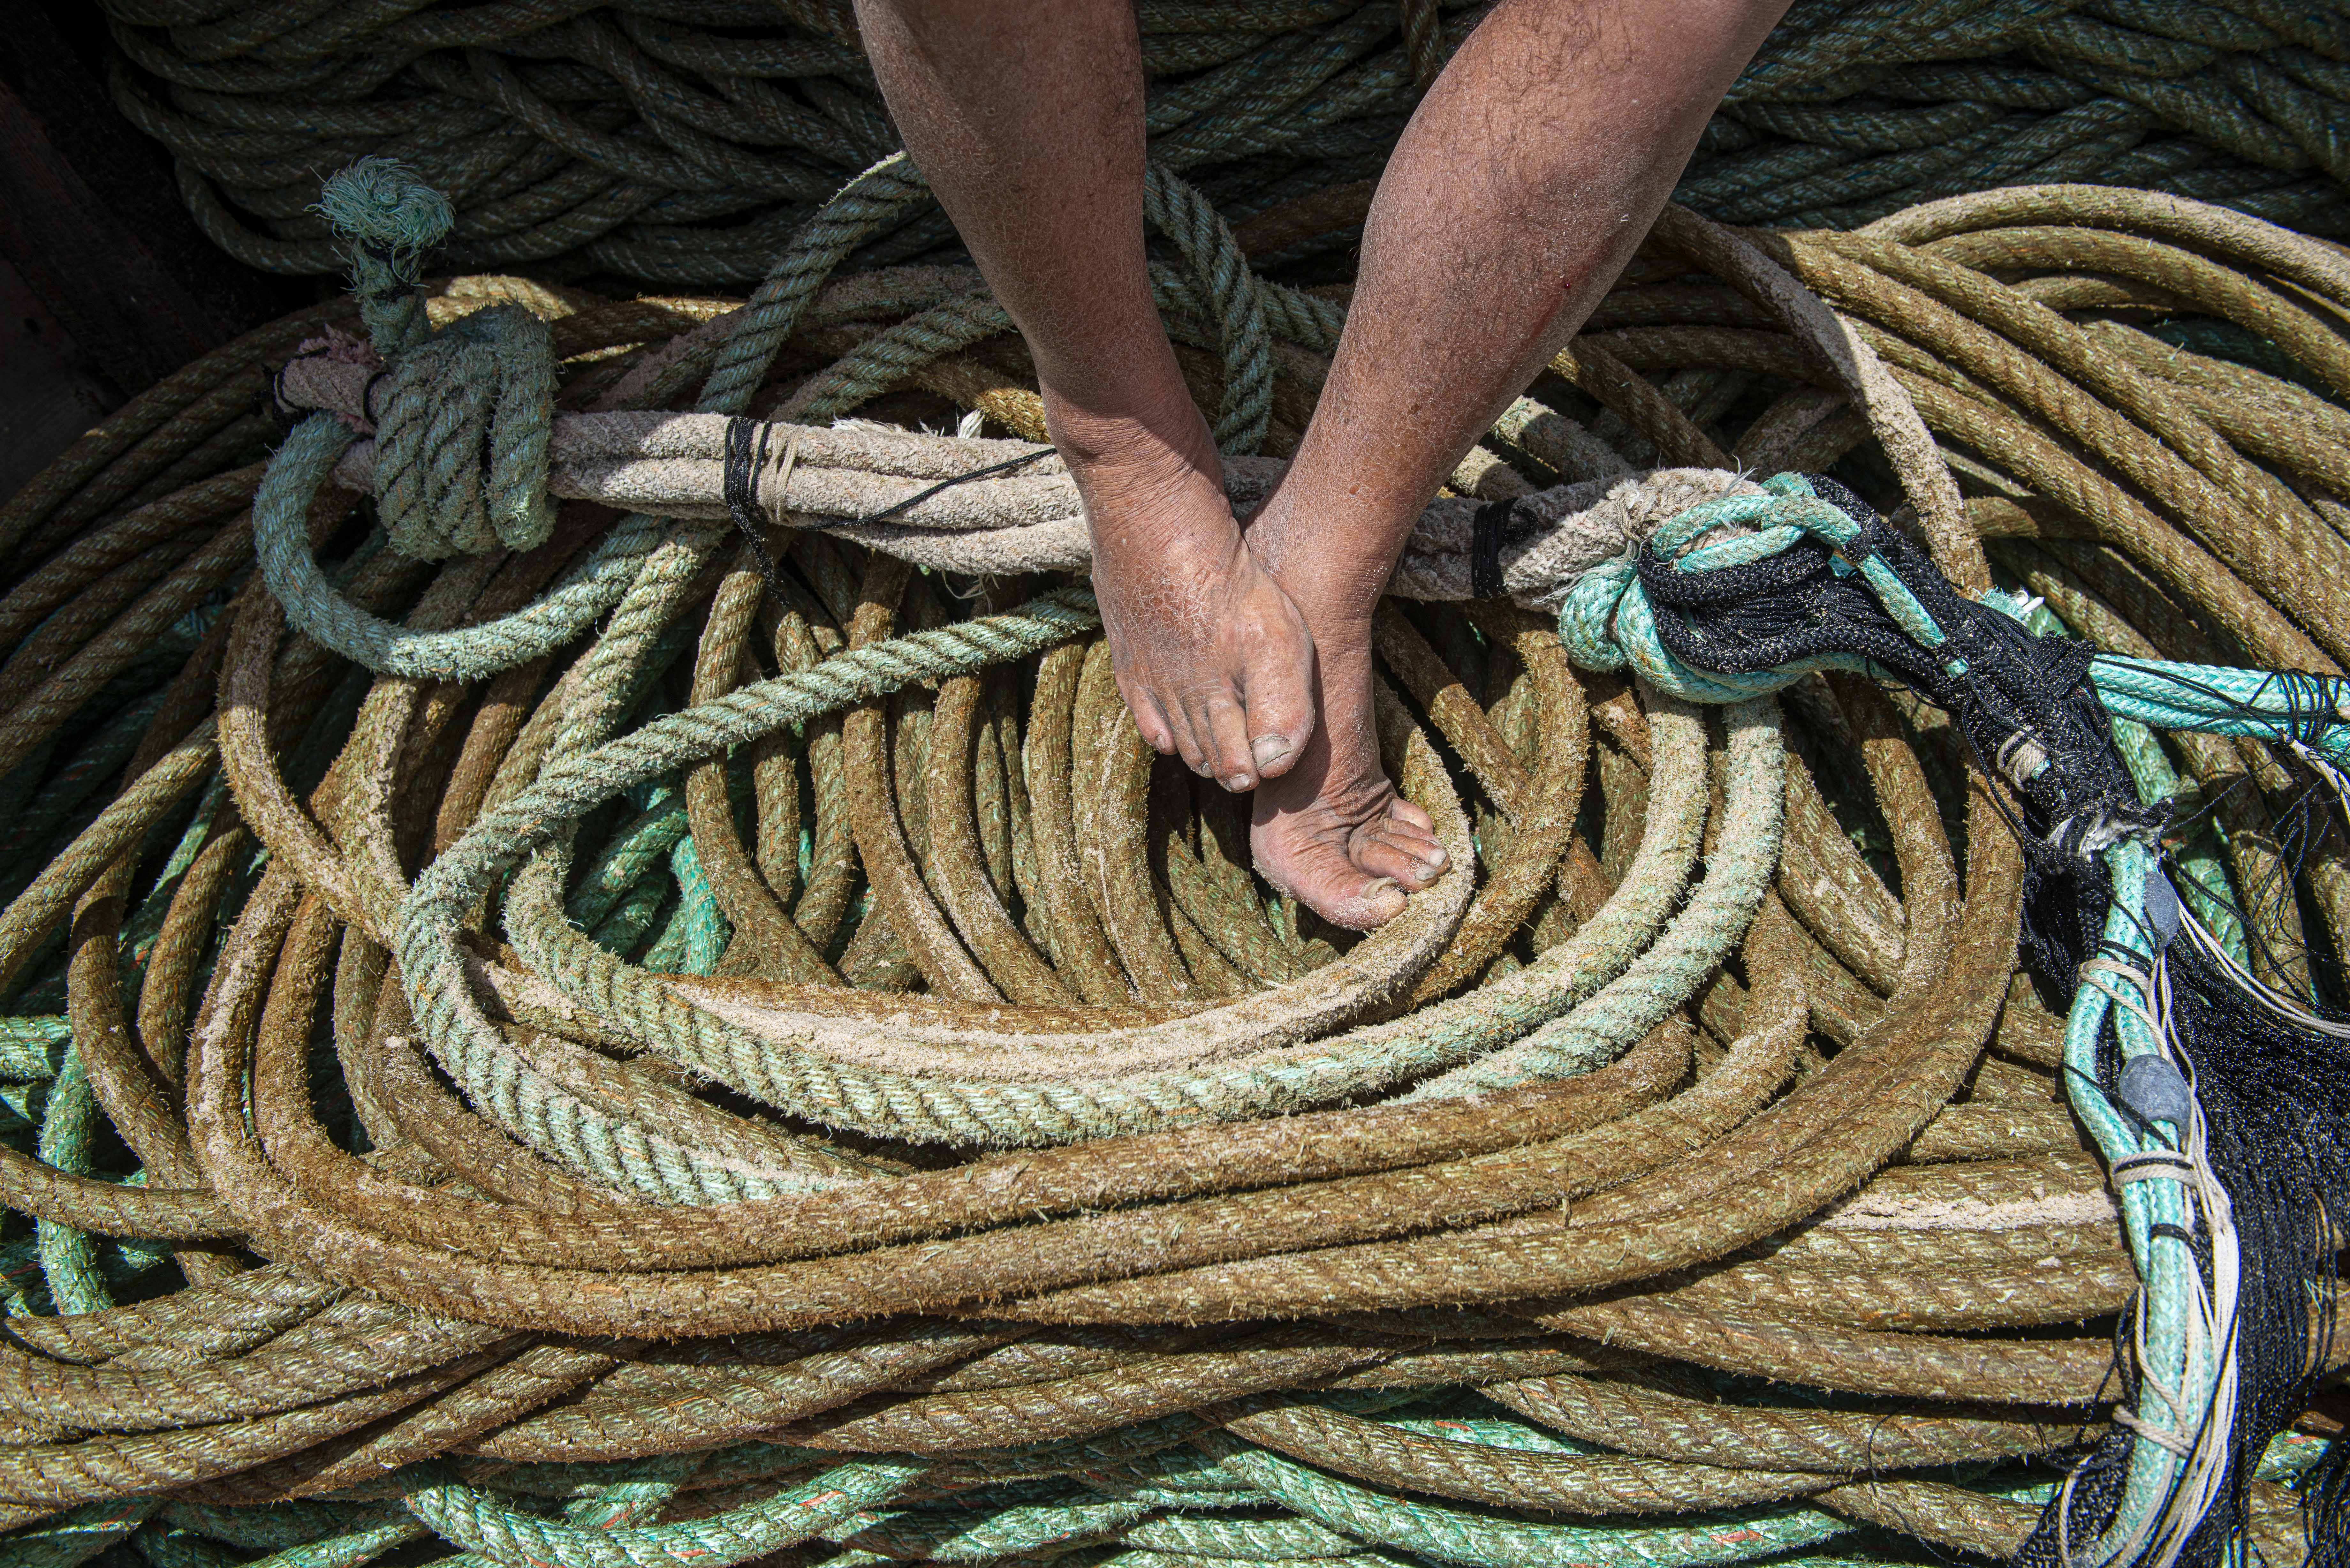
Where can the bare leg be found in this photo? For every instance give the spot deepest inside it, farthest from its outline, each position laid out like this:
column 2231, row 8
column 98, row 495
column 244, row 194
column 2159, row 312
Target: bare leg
column 1026, row 119
column 1527, row 178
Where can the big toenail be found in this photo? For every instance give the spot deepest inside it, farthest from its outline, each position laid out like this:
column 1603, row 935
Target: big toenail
column 1269, row 749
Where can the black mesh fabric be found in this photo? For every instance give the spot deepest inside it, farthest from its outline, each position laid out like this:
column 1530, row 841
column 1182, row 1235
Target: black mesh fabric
column 2016, row 689
column 2276, row 1098
column 2275, row 1094
column 2095, row 1495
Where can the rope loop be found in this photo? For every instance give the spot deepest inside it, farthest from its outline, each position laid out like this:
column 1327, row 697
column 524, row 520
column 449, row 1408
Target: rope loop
column 461, row 439
column 1216, row 261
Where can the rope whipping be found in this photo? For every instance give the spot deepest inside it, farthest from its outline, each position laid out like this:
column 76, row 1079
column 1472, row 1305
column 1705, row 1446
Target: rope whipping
column 777, row 1066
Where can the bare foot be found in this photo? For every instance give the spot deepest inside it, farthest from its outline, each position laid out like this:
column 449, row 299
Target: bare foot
column 1213, row 661
column 1332, row 831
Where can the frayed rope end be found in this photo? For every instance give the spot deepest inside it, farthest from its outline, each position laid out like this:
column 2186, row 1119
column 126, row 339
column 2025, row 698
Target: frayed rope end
column 382, row 204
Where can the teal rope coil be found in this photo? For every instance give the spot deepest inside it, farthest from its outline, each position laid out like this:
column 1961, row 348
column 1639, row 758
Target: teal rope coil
column 281, row 539
column 70, row 1258
column 478, row 1520
column 485, row 383
column 302, row 465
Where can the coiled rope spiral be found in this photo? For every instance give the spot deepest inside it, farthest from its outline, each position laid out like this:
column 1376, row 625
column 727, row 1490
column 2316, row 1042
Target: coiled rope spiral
column 776, row 1065
column 683, row 141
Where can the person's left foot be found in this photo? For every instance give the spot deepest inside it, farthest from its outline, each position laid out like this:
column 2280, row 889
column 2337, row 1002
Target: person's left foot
column 1332, row 832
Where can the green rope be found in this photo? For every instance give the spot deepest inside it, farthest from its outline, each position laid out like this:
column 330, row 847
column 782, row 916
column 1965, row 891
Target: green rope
column 479, row 1521
column 70, row 1258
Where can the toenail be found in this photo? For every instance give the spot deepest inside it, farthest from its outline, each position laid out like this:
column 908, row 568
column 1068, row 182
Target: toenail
column 1269, row 749
column 1434, row 857
column 1240, row 783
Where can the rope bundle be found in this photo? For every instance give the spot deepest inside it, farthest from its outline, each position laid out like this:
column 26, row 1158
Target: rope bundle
column 778, row 1064
column 684, row 144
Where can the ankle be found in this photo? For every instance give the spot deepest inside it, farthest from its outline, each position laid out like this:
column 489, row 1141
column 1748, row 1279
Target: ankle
column 1150, row 481
column 1148, row 423
column 1332, row 548
column 1335, row 583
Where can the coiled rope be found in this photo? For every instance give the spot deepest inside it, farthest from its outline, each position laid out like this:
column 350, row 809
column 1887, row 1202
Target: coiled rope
column 685, row 143
column 781, row 1065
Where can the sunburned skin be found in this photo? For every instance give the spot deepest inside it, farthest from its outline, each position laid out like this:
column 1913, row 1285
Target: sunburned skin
column 1527, row 176
column 1213, row 661
column 1218, row 666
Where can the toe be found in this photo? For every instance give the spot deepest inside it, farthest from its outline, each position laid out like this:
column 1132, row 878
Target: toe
column 1323, row 878
column 1400, row 810
column 1369, row 903
column 1157, row 733
column 1191, row 741
column 1407, row 858
column 1278, row 693
column 1226, row 728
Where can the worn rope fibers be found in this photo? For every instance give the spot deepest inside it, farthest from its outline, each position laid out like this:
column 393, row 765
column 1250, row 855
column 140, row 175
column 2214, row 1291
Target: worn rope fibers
column 682, row 143
column 541, row 1283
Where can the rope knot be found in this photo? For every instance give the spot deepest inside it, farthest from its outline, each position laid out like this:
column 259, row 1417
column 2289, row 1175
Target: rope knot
column 388, row 217
column 1607, row 622
column 481, row 388
column 1821, row 582
column 462, row 417
column 382, row 204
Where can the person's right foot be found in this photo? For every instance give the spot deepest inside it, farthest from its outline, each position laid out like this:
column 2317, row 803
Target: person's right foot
column 1333, row 832
column 1213, row 661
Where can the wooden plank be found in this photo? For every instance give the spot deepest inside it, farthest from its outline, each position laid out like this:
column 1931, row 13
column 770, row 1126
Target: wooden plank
column 91, row 219
column 48, row 394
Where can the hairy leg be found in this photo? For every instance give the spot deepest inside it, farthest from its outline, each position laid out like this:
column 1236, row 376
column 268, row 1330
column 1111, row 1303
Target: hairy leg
column 1026, row 119
column 1522, row 186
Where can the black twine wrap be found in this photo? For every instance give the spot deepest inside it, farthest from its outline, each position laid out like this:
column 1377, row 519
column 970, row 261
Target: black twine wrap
column 1007, row 466
column 746, row 453
column 1489, row 529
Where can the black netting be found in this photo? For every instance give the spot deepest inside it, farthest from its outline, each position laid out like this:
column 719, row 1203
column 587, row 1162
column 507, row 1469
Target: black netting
column 2275, row 1094
column 2276, row 1098
column 2096, row 1493
column 2020, row 697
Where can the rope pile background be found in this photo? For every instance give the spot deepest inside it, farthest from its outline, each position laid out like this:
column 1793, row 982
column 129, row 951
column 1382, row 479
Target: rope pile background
column 683, row 141
column 1818, row 1262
